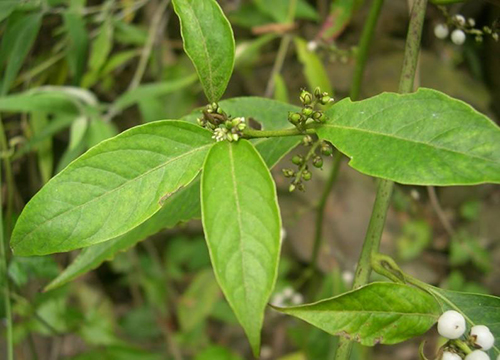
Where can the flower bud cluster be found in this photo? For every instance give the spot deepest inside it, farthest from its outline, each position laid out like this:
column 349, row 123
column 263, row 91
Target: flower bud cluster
column 451, row 325
column 461, row 27
column 223, row 127
column 309, row 114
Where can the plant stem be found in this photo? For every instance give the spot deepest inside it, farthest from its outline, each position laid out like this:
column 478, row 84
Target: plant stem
column 364, row 47
column 384, row 190
column 255, row 134
column 282, row 50
column 4, row 278
column 320, row 210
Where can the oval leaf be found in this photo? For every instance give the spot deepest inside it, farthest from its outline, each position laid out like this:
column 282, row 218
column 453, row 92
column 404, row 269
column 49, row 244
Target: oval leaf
column 209, row 42
column 242, row 227
column 379, row 313
column 423, row 138
column 112, row 188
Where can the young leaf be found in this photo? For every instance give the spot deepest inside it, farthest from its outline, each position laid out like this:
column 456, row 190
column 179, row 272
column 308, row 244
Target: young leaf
column 378, row 313
column 242, row 227
column 314, row 70
column 40, row 121
column 422, row 138
column 19, row 36
column 477, row 309
column 102, row 46
column 209, row 42
column 50, row 103
column 112, row 188
column 182, row 206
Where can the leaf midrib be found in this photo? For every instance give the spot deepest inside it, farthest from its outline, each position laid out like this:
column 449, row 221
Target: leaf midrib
column 111, row 191
column 332, row 126
column 366, row 312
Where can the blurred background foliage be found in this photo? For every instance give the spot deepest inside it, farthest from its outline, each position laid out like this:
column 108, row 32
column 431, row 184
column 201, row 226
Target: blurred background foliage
column 76, row 72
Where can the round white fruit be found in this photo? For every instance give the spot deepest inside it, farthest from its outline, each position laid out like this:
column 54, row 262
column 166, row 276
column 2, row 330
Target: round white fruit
column 477, row 355
column 451, row 324
column 482, row 337
column 450, row 356
column 458, row 37
column 441, row 31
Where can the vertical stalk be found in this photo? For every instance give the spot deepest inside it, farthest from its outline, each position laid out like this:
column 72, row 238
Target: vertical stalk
column 320, row 210
column 385, row 187
column 364, row 47
column 4, row 278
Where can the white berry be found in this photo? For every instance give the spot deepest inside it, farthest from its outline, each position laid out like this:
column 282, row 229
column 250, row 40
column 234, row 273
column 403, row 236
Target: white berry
column 458, row 37
column 450, row 356
column 482, row 337
column 441, row 31
column 460, row 19
column 477, row 355
column 451, row 324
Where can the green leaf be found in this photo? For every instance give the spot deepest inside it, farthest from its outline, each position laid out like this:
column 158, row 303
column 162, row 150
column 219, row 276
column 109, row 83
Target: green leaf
column 102, row 46
column 7, row 7
column 242, row 227
column 478, row 309
column 185, row 204
column 278, row 9
column 209, row 42
column 79, row 41
column 378, row 313
column 17, row 40
column 33, row 102
column 422, row 138
column 181, row 206
column 340, row 16
column 39, row 122
column 314, row 70
column 112, row 188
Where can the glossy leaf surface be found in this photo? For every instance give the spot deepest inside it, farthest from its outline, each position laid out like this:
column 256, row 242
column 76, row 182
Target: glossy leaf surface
column 112, row 188
column 209, row 42
column 423, row 138
column 379, row 313
column 242, row 227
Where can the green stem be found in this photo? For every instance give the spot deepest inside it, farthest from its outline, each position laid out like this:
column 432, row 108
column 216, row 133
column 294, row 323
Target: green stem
column 364, row 47
column 320, row 209
column 385, row 187
column 4, row 278
column 255, row 134
column 462, row 346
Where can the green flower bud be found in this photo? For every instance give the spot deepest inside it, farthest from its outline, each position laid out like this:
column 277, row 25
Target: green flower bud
column 307, row 111
column 291, row 188
column 326, row 99
column 301, row 187
column 288, row 173
column 298, row 159
column 317, row 93
column 305, row 97
column 318, row 161
column 306, row 175
column 294, row 118
column 326, row 149
column 307, row 140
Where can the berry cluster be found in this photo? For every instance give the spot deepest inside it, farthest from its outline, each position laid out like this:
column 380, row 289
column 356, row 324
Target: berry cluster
column 451, row 325
column 222, row 125
column 462, row 27
column 302, row 162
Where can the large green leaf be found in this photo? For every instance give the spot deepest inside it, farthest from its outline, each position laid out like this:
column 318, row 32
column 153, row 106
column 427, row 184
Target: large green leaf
column 422, row 138
column 478, row 309
column 209, row 42
column 17, row 40
column 378, row 313
column 112, row 188
column 184, row 205
column 78, row 44
column 242, row 227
